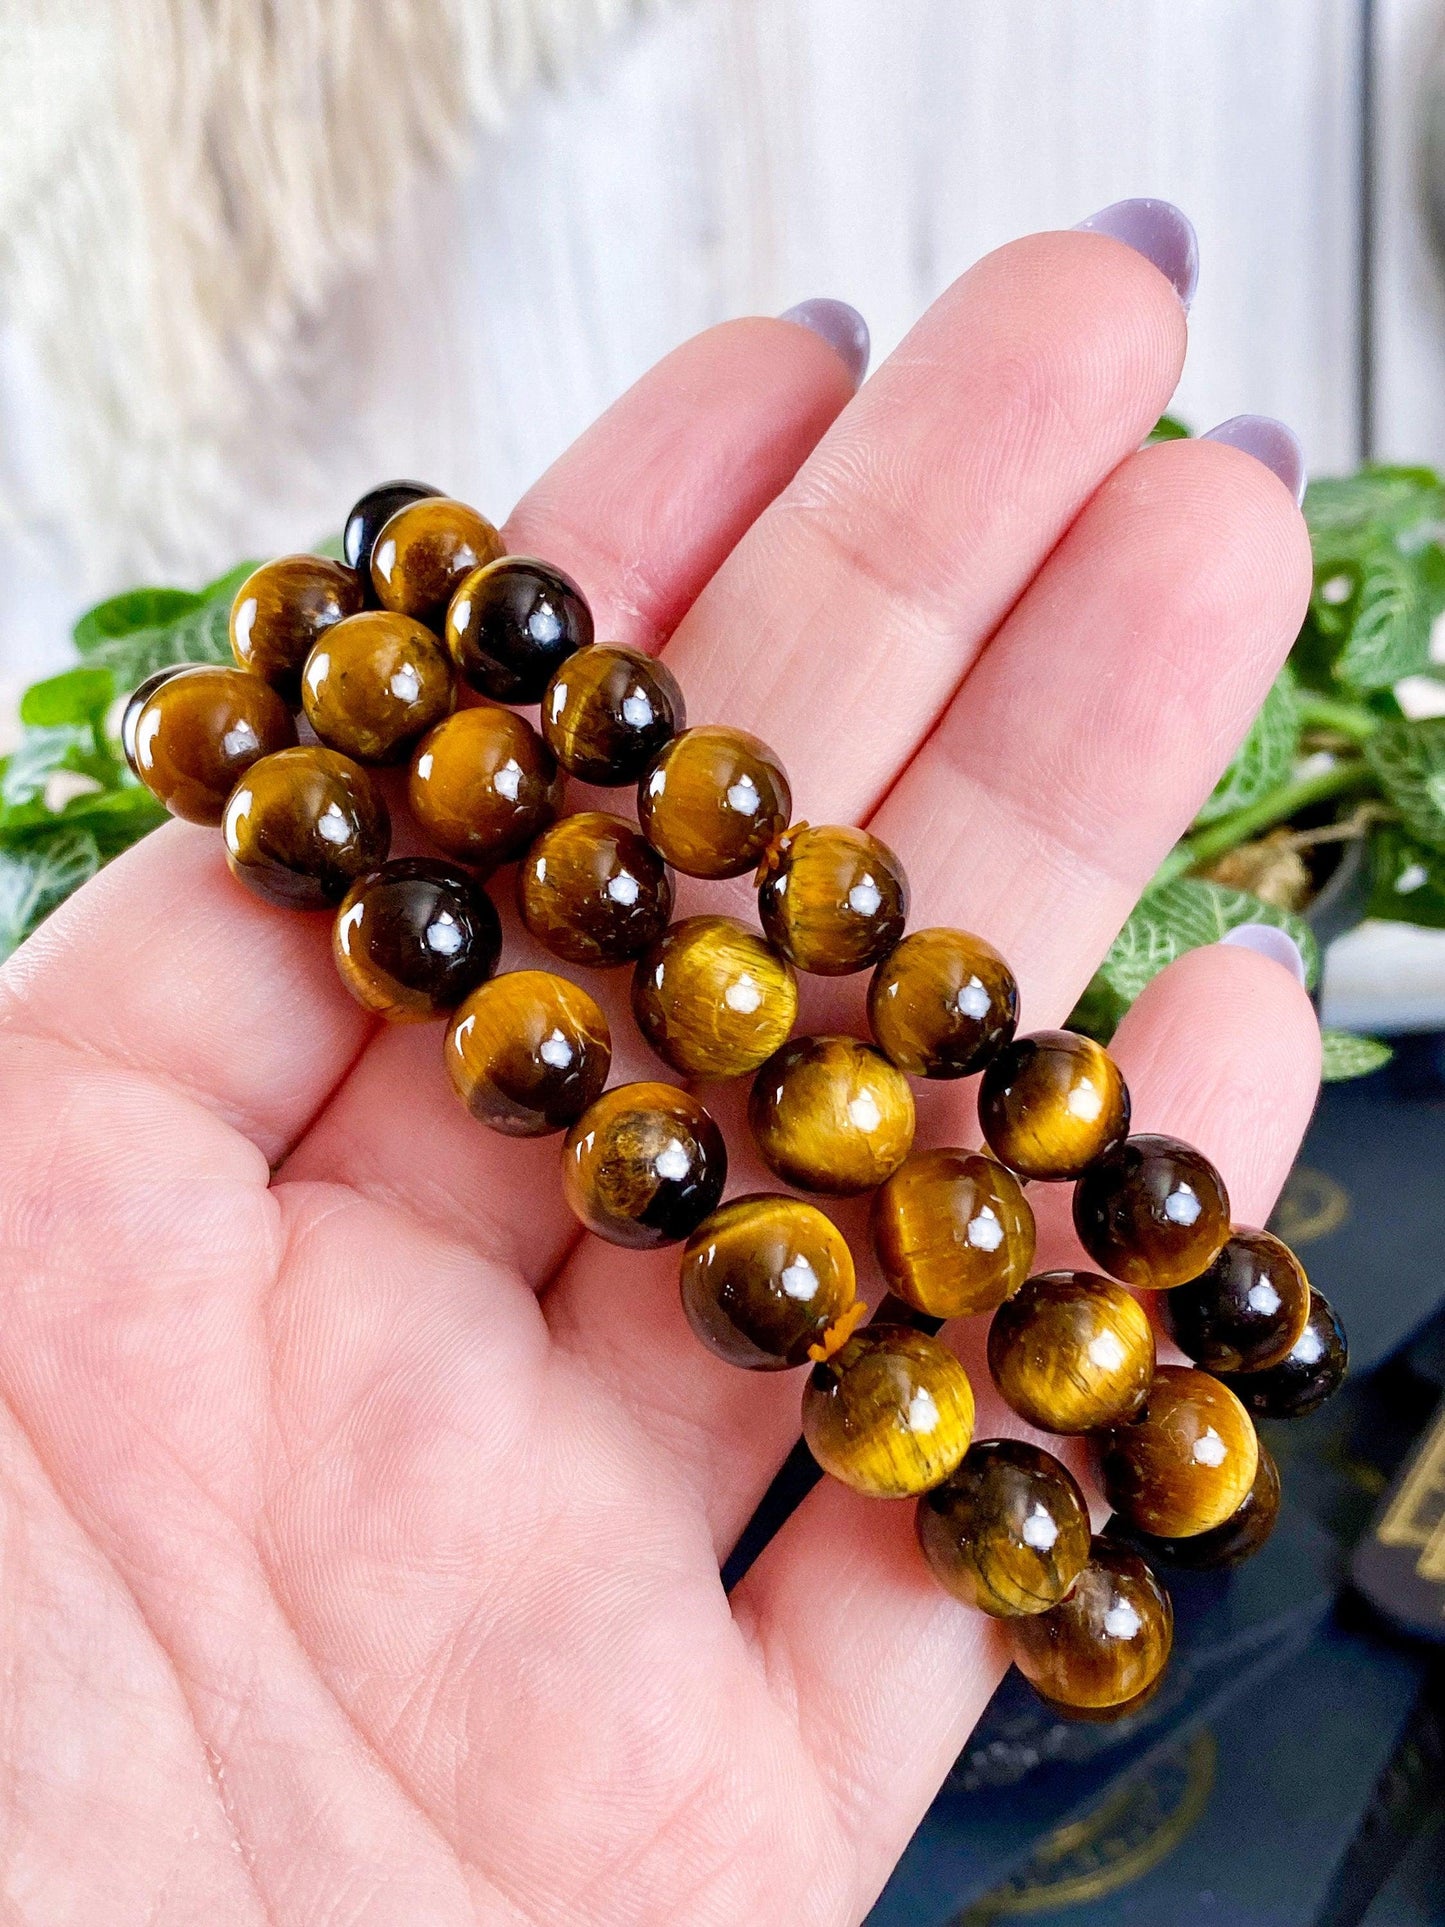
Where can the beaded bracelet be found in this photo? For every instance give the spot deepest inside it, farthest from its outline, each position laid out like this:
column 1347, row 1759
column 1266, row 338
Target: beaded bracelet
column 373, row 649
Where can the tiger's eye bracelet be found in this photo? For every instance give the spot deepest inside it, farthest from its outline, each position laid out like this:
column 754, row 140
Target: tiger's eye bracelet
column 373, row 650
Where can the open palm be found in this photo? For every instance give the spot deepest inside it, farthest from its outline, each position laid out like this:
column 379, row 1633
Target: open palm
column 361, row 1524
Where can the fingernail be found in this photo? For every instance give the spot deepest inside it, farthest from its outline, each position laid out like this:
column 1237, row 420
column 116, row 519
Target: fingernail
column 1267, row 940
column 1158, row 231
column 842, row 327
column 1269, row 442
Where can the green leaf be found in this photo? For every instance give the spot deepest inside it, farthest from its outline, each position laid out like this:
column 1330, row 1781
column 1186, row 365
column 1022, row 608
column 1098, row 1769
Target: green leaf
column 1382, row 498
column 1345, row 1054
column 39, row 754
column 34, row 881
column 122, row 615
column 1408, row 758
column 76, row 696
column 1407, row 879
column 1266, row 756
column 201, row 635
column 1168, row 428
column 1372, row 607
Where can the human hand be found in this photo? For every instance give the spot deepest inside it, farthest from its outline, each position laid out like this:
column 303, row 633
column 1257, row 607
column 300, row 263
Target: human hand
column 361, row 1525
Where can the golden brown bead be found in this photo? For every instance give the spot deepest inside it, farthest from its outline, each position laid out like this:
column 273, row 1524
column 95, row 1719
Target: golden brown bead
column 512, row 623
column 608, row 711
column 1246, row 1312
column 831, row 1114
column 1051, row 1103
column 1008, row 1532
column 593, row 890
column 1187, row 1461
column 890, row 1413
column 1152, row 1211
column 301, row 826
column 953, row 1232
column 834, row 900
column 374, row 684
column 1071, row 1352
column 197, row 732
column 1105, row 1643
column 943, row 1004
column 528, row 1052
column 713, row 801
column 483, row 784
column 421, row 556
column 1239, row 1538
column 712, row 998
column 764, row 1279
column 412, row 938
column 283, row 609
column 644, row 1165
column 1313, row 1370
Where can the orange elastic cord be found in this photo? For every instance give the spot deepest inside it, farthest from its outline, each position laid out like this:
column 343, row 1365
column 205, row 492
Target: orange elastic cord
column 772, row 857
column 839, row 1332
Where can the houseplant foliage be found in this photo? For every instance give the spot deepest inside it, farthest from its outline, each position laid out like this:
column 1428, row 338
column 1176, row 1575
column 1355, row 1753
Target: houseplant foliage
column 1332, row 771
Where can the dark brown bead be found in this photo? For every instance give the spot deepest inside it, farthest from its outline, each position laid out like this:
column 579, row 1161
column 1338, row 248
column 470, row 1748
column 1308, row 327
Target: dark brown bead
column 528, row 1052
column 943, row 1004
column 1008, row 1532
column 890, row 1413
column 1051, row 1103
column 483, row 784
column 834, row 900
column 369, row 515
column 198, row 731
column 1106, row 1642
column 425, row 551
column 301, row 826
column 283, row 609
column 764, row 1279
column 831, row 1114
column 712, row 998
column 1312, row 1372
column 644, row 1165
column 1152, row 1211
column 593, row 890
column 412, row 938
column 608, row 711
column 1247, row 1311
column 374, row 684
column 1187, row 1461
column 135, row 702
column 714, row 801
column 1230, row 1544
column 953, row 1232
column 512, row 623
column 1071, row 1352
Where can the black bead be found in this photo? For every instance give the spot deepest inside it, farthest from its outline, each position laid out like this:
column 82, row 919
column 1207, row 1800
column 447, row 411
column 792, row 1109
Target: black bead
column 1301, row 1383
column 365, row 521
column 514, row 622
column 136, row 702
column 1239, row 1538
column 414, row 937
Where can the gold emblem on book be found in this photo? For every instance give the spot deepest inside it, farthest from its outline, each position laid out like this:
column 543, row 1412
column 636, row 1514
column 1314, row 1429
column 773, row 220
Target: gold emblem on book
column 1415, row 1517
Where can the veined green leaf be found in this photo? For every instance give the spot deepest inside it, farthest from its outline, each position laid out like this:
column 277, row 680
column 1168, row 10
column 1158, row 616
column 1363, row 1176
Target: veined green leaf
column 122, row 615
column 1407, row 879
column 1266, row 756
column 1346, row 1054
column 1408, row 758
column 1168, row 428
column 1382, row 497
column 76, row 696
column 34, row 881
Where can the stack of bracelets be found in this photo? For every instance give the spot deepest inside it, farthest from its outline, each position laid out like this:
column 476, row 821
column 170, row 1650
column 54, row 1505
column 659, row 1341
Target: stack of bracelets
column 373, row 649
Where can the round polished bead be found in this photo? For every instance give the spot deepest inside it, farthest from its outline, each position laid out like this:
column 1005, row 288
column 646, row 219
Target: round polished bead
column 282, row 610
column 1239, row 1538
column 831, row 1114
column 528, row 1052
column 1071, row 1352
column 1187, row 1461
column 712, row 998
column 424, row 552
column 834, row 900
column 714, row 801
column 644, row 1165
column 1312, row 1372
column 414, row 937
column 1152, row 1211
column 943, row 1004
column 889, row 1413
column 483, row 784
column 1008, row 1532
column 514, row 622
column 135, row 702
column 197, row 732
column 763, row 1280
column 1246, row 1312
column 953, row 1232
column 301, row 826
column 374, row 684
column 1106, row 1642
column 369, row 515
column 593, row 889
column 608, row 711
column 1051, row 1103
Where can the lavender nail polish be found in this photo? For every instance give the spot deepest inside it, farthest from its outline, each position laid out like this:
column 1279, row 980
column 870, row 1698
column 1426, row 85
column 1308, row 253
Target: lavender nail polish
column 842, row 327
column 1266, row 940
column 1158, row 231
column 1269, row 442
